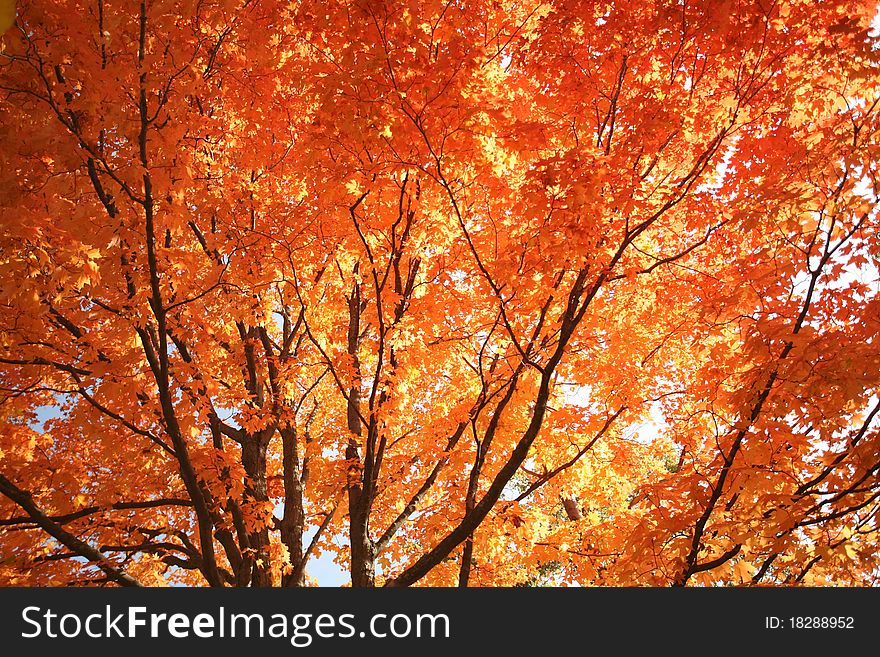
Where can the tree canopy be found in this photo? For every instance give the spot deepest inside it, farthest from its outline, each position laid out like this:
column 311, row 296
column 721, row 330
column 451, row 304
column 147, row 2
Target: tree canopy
column 465, row 292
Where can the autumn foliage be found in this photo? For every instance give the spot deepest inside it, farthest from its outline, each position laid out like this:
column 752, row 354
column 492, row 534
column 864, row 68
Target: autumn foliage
column 474, row 292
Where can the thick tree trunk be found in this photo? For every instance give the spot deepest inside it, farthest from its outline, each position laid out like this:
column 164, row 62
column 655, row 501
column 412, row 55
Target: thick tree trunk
column 294, row 518
column 467, row 556
column 363, row 571
column 470, row 502
column 253, row 458
column 362, row 549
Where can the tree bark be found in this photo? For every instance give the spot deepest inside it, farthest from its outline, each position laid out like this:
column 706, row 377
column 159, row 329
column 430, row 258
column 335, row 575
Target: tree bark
column 294, row 518
column 363, row 551
column 253, row 458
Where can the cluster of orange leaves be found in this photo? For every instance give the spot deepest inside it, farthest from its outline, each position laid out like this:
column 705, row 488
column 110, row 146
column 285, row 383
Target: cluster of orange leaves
column 485, row 292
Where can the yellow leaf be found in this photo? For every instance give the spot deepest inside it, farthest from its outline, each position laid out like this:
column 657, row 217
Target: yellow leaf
column 744, row 570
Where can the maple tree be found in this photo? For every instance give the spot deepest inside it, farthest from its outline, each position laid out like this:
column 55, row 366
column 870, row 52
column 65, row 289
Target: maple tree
column 463, row 293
